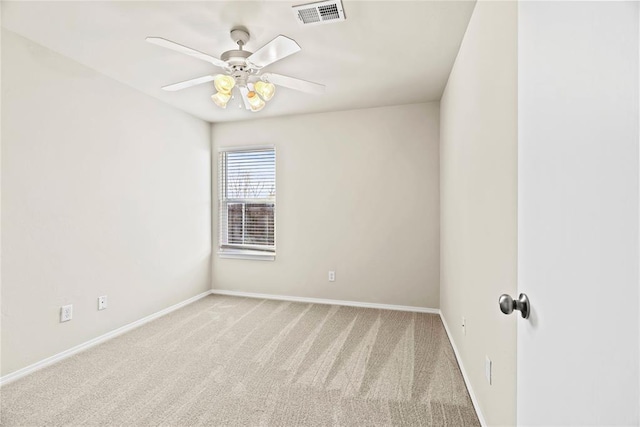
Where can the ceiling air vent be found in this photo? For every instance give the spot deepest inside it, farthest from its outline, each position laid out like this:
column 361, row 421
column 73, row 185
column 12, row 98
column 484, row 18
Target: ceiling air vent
column 322, row 12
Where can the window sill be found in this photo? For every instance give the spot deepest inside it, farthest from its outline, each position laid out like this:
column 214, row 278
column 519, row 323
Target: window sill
column 253, row 255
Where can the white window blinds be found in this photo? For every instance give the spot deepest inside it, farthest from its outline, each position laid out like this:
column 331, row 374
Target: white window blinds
column 247, row 197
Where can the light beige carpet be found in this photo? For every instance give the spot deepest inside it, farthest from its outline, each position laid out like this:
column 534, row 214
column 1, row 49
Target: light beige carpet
column 244, row 362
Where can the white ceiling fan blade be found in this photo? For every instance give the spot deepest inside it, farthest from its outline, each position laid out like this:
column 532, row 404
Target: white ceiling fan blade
column 188, row 83
column 275, row 50
column 243, row 94
column 186, row 50
column 293, row 83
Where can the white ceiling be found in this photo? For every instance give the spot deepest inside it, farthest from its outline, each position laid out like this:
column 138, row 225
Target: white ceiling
column 385, row 53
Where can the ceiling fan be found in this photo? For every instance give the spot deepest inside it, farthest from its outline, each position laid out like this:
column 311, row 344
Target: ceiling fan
column 243, row 70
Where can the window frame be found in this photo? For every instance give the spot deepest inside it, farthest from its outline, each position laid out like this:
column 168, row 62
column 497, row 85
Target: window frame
column 247, row 252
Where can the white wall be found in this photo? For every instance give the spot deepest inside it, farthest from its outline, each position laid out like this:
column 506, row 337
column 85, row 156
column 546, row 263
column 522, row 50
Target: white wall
column 478, row 162
column 105, row 191
column 357, row 192
column 578, row 202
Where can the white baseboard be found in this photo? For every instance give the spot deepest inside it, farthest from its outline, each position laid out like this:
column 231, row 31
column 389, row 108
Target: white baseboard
column 474, row 400
column 95, row 341
column 327, row 301
column 126, row 328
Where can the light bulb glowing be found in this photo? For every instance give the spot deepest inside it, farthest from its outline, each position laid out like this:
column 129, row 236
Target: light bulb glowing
column 224, row 83
column 221, row 99
column 265, row 89
column 255, row 103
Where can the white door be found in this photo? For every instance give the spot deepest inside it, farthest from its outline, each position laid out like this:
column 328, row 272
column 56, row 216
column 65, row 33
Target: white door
column 578, row 358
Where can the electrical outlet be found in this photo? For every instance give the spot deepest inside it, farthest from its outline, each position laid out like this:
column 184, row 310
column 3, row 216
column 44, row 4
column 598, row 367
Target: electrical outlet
column 332, row 276
column 464, row 326
column 66, row 313
column 487, row 369
column 102, row 302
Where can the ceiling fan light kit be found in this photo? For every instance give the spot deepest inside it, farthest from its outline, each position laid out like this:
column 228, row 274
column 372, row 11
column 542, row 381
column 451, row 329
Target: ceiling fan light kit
column 255, row 102
column 244, row 70
column 224, row 83
column 265, row 89
column 221, row 99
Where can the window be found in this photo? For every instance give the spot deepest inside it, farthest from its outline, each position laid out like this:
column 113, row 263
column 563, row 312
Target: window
column 247, row 196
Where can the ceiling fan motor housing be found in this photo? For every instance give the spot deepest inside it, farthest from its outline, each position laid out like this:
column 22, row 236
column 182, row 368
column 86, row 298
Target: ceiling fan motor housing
column 237, row 65
column 237, row 59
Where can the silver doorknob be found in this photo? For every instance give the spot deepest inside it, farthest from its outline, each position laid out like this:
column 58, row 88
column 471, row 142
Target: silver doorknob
column 508, row 304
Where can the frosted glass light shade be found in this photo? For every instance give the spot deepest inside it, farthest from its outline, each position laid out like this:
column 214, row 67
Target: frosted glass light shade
column 221, row 99
column 255, row 103
column 265, row 89
column 224, row 83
